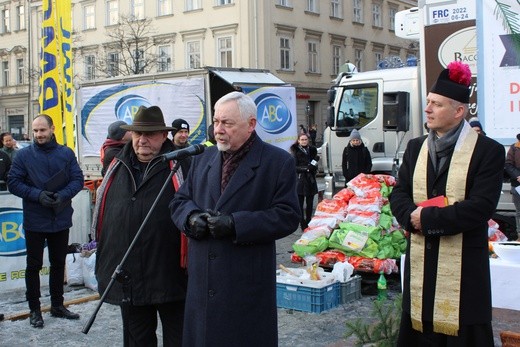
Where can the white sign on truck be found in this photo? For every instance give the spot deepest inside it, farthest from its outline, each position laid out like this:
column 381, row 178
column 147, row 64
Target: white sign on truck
column 188, row 97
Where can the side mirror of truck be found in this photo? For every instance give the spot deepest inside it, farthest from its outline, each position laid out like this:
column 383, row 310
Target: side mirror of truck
column 331, row 95
column 330, row 116
column 396, row 111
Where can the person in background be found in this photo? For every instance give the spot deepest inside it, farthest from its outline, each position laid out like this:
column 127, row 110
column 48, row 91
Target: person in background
column 512, row 168
column 302, row 129
column 239, row 197
column 46, row 175
column 157, row 283
column 306, row 157
column 180, row 134
column 313, row 132
column 116, row 139
column 447, row 289
column 5, row 166
column 356, row 158
column 211, row 137
column 9, row 145
column 477, row 126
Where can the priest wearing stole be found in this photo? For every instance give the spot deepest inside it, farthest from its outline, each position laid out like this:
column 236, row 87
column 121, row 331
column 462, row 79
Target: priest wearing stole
column 447, row 289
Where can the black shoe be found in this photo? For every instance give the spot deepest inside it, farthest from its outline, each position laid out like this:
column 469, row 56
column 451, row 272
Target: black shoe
column 62, row 312
column 36, row 319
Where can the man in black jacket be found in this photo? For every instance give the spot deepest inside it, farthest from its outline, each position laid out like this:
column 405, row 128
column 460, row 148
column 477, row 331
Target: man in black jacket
column 157, row 280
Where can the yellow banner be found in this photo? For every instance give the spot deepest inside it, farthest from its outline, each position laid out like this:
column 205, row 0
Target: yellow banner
column 56, row 96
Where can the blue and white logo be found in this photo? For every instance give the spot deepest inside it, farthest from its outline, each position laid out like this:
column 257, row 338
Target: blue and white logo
column 272, row 114
column 127, row 107
column 12, row 235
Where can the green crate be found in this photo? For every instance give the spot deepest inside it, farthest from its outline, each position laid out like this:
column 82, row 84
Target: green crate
column 307, row 299
column 350, row 290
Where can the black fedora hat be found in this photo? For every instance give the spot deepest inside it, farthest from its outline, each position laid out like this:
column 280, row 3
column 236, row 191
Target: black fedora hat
column 148, row 119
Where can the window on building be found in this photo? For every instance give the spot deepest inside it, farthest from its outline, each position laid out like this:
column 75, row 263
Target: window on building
column 112, row 12
column 337, row 58
column 224, row 2
column 391, row 13
column 286, row 3
column 194, row 54
column 90, row 67
column 193, row 5
column 225, row 52
column 5, row 21
column 378, row 56
column 285, row 54
column 139, row 61
column 20, row 17
column 89, row 17
column 20, row 71
column 137, row 9
column 358, row 57
column 357, row 7
column 312, row 6
column 5, row 73
column 312, row 53
column 376, row 15
column 164, row 61
column 113, row 64
column 336, row 8
column 164, row 7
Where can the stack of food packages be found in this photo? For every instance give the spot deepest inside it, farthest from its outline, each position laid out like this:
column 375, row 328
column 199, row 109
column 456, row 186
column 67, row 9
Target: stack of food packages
column 494, row 235
column 357, row 226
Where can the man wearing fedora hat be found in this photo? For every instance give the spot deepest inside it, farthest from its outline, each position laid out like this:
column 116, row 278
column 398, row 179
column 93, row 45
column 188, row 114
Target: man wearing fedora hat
column 157, row 280
column 447, row 290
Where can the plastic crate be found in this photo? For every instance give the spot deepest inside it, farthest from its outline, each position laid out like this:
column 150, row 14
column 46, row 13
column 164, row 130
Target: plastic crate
column 350, row 290
column 307, row 299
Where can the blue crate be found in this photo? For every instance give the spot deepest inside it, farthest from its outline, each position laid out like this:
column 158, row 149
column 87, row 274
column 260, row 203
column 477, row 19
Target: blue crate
column 307, row 299
column 350, row 290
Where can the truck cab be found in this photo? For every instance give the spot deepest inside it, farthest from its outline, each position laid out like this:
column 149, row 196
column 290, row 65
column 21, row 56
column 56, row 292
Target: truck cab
column 384, row 106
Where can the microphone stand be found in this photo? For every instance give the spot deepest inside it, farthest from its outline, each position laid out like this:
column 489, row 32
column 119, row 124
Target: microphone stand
column 120, row 274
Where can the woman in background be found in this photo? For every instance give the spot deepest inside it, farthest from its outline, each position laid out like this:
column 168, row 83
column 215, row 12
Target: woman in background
column 356, row 158
column 306, row 157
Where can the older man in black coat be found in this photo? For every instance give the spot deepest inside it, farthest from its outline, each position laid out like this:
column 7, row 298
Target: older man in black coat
column 239, row 197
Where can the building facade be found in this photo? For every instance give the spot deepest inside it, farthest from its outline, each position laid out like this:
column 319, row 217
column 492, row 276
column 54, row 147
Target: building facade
column 303, row 42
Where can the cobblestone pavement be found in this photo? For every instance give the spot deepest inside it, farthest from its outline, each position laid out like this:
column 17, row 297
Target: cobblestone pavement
column 296, row 328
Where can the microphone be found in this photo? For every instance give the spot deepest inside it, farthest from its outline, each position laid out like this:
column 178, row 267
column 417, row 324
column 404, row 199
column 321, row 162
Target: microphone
column 314, row 161
column 184, row 152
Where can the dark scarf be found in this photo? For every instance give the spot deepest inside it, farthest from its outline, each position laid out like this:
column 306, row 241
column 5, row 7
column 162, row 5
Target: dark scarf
column 230, row 161
column 440, row 147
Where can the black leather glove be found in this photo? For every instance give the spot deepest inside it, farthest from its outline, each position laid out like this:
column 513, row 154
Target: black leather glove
column 198, row 225
column 57, row 200
column 46, row 198
column 221, row 226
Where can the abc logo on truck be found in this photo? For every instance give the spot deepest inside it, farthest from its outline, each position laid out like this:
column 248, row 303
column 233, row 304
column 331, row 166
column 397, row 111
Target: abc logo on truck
column 272, row 114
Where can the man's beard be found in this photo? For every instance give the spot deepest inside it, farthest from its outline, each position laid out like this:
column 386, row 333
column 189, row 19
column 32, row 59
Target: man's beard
column 223, row 147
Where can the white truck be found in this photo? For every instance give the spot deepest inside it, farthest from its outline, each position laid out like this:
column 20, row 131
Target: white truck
column 386, row 105
column 190, row 95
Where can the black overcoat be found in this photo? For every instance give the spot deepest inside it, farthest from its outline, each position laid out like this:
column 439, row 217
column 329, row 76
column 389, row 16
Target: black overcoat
column 306, row 173
column 231, row 298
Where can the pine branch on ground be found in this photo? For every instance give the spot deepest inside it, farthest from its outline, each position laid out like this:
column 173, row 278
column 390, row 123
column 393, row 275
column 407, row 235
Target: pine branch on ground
column 381, row 328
